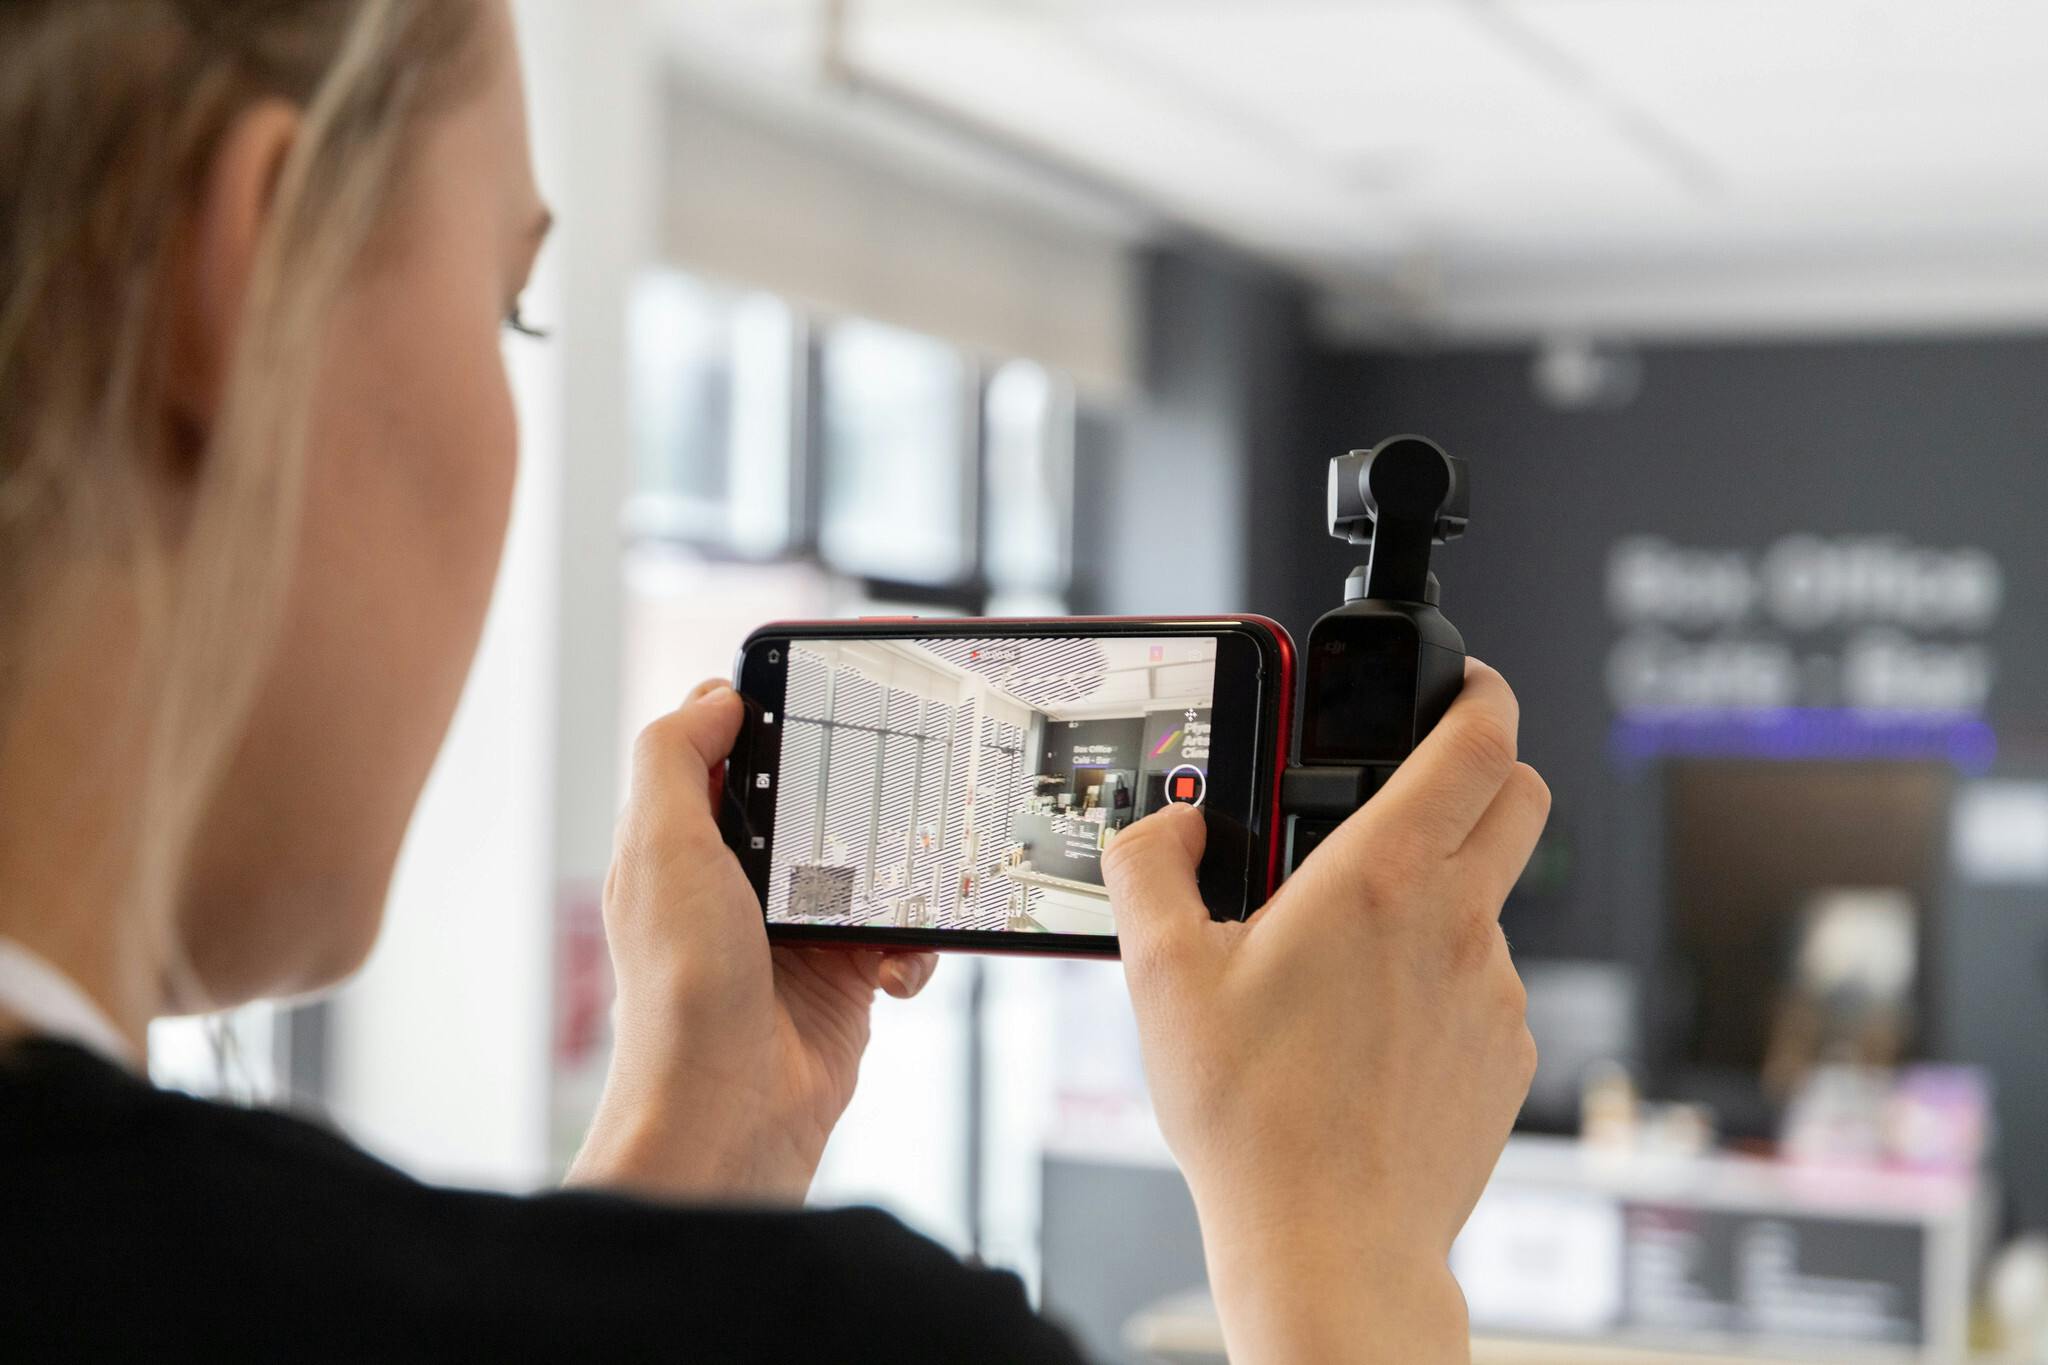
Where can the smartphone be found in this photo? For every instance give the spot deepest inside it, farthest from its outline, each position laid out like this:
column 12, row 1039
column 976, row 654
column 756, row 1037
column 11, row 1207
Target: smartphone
column 910, row 783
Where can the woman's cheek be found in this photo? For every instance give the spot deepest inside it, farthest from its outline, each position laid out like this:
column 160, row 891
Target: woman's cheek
column 471, row 464
column 500, row 429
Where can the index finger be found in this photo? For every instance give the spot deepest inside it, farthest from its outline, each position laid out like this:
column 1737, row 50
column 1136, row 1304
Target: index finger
column 1446, row 785
column 675, row 756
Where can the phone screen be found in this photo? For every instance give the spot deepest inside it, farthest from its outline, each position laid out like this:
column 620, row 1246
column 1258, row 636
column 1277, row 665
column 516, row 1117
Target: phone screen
column 971, row 784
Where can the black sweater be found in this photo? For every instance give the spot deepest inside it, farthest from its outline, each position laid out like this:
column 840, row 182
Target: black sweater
column 140, row 1224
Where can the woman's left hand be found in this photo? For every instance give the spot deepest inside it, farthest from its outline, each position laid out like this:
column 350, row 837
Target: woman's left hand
column 732, row 1061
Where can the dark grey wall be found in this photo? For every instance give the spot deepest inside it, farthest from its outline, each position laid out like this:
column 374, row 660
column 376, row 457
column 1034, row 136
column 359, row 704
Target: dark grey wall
column 1943, row 443
column 1166, row 490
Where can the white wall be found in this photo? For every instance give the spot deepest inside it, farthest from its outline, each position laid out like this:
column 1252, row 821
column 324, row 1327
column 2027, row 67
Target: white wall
column 824, row 222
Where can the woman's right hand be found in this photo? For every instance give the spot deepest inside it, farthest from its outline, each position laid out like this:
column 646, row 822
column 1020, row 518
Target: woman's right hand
column 1338, row 1074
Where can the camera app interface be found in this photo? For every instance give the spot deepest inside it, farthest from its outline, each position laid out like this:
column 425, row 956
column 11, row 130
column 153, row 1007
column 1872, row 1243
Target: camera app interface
column 974, row 784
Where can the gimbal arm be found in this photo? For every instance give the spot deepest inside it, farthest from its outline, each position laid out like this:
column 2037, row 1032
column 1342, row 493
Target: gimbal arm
column 1382, row 669
column 1403, row 497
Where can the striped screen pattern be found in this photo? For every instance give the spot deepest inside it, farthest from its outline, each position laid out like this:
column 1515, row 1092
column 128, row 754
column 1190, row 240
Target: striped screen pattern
column 1002, row 789
column 885, row 787
column 930, row 870
column 874, row 779
column 1039, row 673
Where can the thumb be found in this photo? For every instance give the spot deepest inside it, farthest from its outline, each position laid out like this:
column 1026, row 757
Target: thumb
column 1161, row 922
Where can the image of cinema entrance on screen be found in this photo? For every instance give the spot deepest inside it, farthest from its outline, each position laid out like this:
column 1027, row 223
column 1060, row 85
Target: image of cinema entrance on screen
column 973, row 784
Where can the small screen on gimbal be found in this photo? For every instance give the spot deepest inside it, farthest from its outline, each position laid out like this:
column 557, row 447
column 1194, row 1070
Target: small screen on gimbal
column 1361, row 696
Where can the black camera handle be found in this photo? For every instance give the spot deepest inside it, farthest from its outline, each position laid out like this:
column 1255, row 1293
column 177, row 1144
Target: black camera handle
column 1380, row 670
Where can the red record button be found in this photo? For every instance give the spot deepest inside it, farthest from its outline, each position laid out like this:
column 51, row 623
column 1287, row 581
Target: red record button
column 1187, row 785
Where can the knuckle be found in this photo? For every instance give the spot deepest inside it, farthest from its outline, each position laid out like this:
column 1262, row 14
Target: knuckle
column 1526, row 1055
column 657, row 740
column 1370, row 884
column 655, row 837
column 1391, row 860
column 1504, row 698
column 1156, row 965
column 1154, row 955
column 1486, row 691
column 1530, row 784
column 1122, row 850
column 1473, row 939
column 1487, row 742
column 1514, row 996
column 1376, row 856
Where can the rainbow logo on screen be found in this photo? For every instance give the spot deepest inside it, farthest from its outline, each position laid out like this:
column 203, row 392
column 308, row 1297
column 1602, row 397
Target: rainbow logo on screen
column 974, row 784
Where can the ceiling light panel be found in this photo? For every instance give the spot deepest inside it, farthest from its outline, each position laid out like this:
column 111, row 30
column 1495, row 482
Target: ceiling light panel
column 1035, row 76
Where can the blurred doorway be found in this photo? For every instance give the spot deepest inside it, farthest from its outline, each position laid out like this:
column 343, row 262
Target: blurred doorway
column 1804, row 899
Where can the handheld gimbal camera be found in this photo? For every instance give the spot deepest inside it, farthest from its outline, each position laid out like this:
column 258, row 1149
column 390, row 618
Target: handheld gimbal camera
column 1382, row 669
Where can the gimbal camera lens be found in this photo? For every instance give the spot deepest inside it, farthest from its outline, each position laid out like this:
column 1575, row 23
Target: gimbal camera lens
column 1405, row 478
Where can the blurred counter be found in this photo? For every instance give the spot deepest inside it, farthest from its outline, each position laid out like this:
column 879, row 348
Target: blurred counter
column 1722, row 1251
column 1574, row 1252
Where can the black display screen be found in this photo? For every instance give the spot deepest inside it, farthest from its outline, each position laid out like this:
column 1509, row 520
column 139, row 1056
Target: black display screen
column 1361, row 693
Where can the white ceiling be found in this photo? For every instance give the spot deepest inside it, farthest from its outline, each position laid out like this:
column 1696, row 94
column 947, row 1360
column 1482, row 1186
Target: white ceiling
column 1495, row 166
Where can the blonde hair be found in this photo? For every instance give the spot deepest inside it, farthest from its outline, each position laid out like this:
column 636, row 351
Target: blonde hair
column 111, row 112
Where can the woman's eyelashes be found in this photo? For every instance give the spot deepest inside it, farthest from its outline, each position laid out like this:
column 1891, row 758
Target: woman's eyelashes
column 515, row 322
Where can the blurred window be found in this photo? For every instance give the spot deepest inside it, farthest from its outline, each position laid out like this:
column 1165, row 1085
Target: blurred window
column 714, row 383
column 895, row 443
column 1028, row 425
column 903, row 1142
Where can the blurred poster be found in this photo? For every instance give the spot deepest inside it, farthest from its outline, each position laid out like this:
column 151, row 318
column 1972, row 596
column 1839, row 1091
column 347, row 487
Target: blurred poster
column 1769, row 1277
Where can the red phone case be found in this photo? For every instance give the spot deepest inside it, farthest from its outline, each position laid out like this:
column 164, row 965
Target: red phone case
column 1282, row 655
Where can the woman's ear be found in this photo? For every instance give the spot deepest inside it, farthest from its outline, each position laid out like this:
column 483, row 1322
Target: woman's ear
column 229, row 217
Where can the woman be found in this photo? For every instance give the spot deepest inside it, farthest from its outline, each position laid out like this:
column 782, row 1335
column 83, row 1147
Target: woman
column 256, row 454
